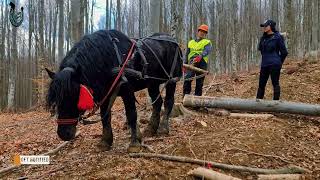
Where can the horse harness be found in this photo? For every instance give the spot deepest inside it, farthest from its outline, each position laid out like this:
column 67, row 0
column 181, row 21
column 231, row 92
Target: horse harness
column 115, row 87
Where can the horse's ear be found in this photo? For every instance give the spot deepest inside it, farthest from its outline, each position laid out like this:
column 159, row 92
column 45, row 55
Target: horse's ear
column 50, row 73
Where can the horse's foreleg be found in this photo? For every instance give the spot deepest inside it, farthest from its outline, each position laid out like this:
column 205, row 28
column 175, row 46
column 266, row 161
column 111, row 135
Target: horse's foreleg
column 153, row 125
column 131, row 113
column 168, row 105
column 107, row 135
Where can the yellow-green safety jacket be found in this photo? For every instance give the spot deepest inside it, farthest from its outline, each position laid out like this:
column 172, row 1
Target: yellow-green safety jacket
column 196, row 48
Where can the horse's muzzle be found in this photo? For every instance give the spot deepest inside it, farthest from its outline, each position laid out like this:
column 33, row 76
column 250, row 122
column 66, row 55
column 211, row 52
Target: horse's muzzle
column 66, row 132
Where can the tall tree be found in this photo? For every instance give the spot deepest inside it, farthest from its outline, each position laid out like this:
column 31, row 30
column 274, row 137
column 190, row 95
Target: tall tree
column 140, row 19
column 289, row 23
column 54, row 34
column 155, row 16
column 12, row 66
column 61, row 30
column 118, row 15
column 75, row 21
column 275, row 10
column 107, row 15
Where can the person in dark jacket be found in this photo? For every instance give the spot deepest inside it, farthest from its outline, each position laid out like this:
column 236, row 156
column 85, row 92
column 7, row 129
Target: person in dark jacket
column 274, row 52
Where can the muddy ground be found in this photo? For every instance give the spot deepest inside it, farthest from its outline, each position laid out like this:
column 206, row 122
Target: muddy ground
column 289, row 139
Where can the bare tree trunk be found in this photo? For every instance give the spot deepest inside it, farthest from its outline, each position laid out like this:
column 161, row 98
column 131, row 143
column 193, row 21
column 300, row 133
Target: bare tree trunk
column 50, row 60
column 69, row 26
column 118, row 15
column 306, row 25
column 107, row 14
column 12, row 68
column 92, row 4
column 289, row 23
column 41, row 28
column 1, row 57
column 140, row 19
column 314, row 27
column 75, row 21
column 274, row 10
column 81, row 18
column 54, row 34
column 3, row 31
column 61, row 31
column 42, row 59
column 87, row 17
column 235, row 31
column 155, row 16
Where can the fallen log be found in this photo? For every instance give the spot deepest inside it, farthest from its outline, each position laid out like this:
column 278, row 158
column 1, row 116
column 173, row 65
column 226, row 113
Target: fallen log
column 286, row 170
column 247, row 115
column 210, row 174
column 193, row 68
column 251, row 105
column 281, row 176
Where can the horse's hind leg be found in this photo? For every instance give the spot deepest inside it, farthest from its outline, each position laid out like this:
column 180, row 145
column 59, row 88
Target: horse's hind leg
column 107, row 135
column 153, row 125
column 168, row 105
column 131, row 113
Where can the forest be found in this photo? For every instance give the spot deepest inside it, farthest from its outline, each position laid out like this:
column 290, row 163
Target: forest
column 50, row 28
column 74, row 117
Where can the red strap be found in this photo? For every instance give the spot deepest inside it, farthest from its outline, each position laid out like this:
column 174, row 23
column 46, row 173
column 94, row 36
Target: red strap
column 119, row 74
column 67, row 121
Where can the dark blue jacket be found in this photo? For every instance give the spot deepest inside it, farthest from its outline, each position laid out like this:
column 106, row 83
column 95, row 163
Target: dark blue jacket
column 273, row 49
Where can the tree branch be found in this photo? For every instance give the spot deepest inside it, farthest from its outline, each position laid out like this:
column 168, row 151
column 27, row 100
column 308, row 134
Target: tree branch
column 286, row 170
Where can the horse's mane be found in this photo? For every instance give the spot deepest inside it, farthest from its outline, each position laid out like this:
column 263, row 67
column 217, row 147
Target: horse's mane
column 92, row 59
column 88, row 56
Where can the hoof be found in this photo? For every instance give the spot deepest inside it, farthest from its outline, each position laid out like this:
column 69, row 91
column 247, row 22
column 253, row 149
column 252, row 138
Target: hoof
column 148, row 132
column 103, row 146
column 164, row 131
column 125, row 126
column 134, row 148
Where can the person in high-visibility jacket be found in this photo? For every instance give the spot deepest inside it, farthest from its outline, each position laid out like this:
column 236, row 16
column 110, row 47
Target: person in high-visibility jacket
column 197, row 55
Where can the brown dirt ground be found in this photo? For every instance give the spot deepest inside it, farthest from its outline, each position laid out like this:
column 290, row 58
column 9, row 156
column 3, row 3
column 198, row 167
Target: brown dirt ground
column 295, row 138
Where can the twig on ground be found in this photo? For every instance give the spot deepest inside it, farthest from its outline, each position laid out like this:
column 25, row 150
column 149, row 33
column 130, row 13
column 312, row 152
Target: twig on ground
column 264, row 155
column 148, row 148
column 285, row 170
column 190, row 146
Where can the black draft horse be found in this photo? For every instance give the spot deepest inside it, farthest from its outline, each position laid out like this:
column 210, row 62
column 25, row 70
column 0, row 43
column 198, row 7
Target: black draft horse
column 92, row 62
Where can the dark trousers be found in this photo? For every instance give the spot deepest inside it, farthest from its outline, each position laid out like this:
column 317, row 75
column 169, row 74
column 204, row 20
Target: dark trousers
column 265, row 72
column 199, row 82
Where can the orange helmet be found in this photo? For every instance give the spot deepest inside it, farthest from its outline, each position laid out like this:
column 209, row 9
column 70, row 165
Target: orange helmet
column 203, row 27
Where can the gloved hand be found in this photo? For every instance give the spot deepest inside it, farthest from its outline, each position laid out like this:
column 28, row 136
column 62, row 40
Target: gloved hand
column 184, row 69
column 197, row 59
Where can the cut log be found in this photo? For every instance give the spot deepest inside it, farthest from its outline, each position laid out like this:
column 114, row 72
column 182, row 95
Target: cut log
column 286, row 170
column 251, row 105
column 193, row 68
column 210, row 174
column 247, row 115
column 281, row 176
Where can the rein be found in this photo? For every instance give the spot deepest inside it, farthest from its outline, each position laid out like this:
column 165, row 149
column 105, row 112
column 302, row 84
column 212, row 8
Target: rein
column 74, row 121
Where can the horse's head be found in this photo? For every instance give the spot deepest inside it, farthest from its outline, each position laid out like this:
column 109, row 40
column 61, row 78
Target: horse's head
column 63, row 95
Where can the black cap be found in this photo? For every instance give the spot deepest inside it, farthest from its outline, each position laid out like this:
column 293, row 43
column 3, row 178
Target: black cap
column 268, row 22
